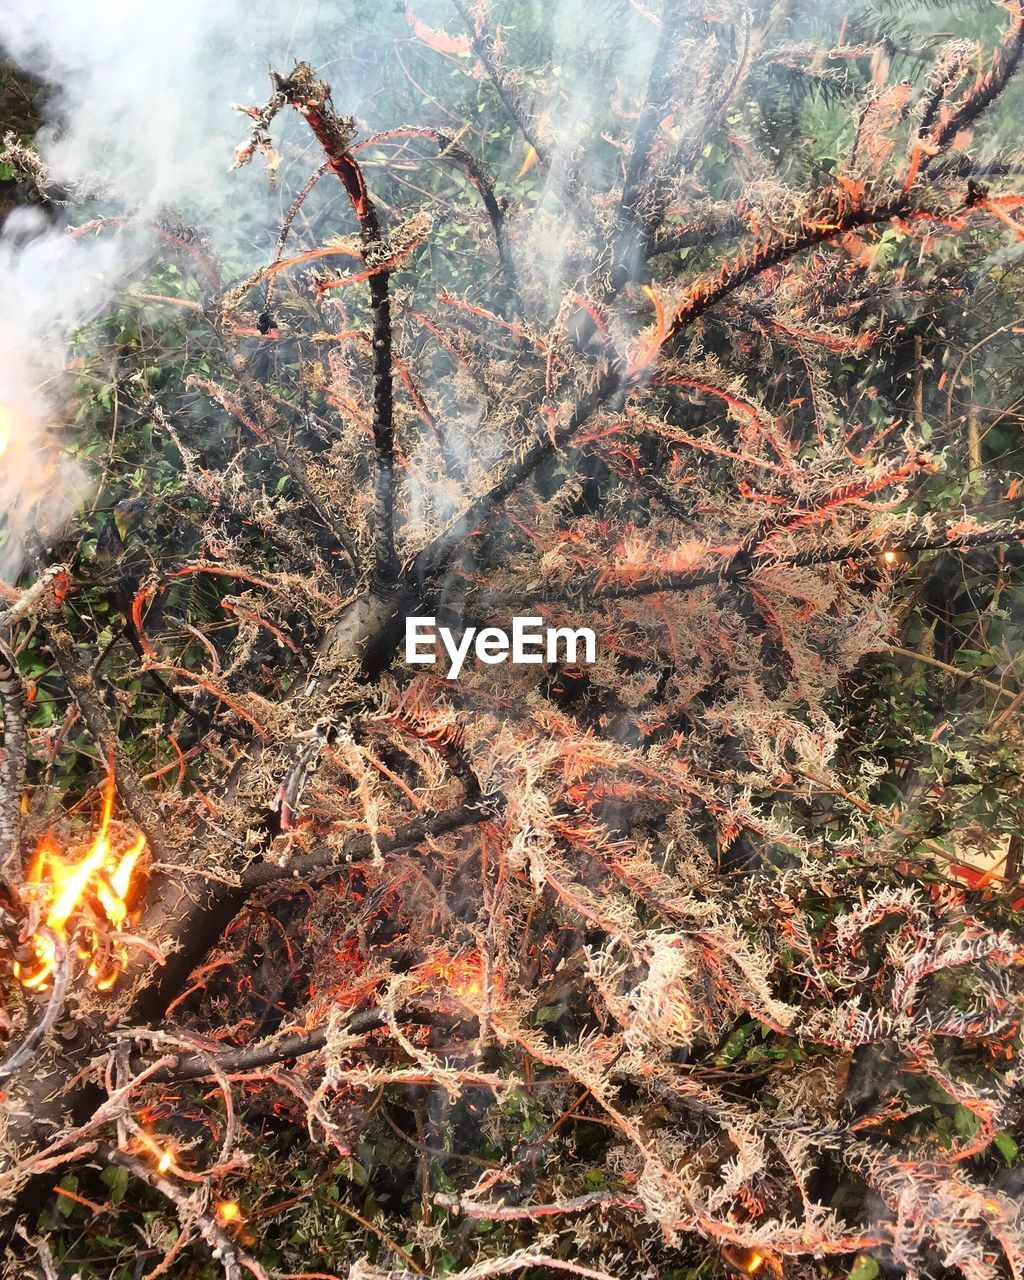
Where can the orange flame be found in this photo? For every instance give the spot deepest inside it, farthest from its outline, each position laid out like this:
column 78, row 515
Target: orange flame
column 65, row 887
column 529, row 162
column 682, row 1019
column 229, row 1213
column 748, row 1261
column 649, row 348
column 163, row 1157
column 461, row 975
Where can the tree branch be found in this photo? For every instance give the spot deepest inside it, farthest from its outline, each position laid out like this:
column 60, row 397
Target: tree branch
column 265, row 1053
column 322, row 862
column 311, row 98
column 438, row 555
column 988, row 87
column 703, row 232
column 516, row 113
column 450, row 146
column 832, row 220
column 20, row 1056
column 635, row 229
column 745, row 564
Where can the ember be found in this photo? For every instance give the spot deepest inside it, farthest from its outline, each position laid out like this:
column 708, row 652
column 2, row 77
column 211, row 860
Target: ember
column 229, row 1213
column 94, row 888
column 461, row 975
column 163, row 1157
column 745, row 1261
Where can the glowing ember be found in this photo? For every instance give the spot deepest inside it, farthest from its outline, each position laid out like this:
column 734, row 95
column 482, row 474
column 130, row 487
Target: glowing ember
column 747, row 1261
column 461, row 976
column 229, row 1213
column 682, row 1020
column 163, row 1157
column 889, row 557
column 94, row 888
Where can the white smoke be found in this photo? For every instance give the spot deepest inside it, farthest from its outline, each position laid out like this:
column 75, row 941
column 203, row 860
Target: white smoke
column 593, row 55
column 139, row 105
column 141, row 95
column 45, row 284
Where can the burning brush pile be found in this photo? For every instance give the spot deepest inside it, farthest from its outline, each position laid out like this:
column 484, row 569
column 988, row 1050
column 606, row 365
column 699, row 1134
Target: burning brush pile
column 659, row 956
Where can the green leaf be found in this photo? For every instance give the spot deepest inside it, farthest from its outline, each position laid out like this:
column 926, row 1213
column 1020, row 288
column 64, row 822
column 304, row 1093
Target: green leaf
column 116, row 1180
column 64, row 1205
column 864, row 1268
column 1006, row 1146
column 353, row 1171
column 965, row 1122
column 734, row 1046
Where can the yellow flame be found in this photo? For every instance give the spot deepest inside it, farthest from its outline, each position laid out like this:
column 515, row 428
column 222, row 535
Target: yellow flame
column 112, row 890
column 164, row 1156
column 651, row 346
column 889, row 557
column 682, row 1019
column 528, row 163
column 228, row 1212
column 63, row 884
column 460, row 975
column 747, row 1261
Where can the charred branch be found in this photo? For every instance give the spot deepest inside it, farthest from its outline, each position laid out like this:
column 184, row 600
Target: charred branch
column 450, row 148
column 743, row 565
column 253, row 1057
column 311, row 98
column 638, row 222
column 989, row 85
